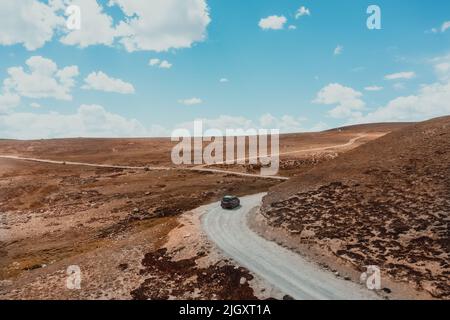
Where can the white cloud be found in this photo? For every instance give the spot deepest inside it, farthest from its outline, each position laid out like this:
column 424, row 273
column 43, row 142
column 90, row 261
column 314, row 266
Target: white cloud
column 320, row 126
column 102, row 82
column 152, row 25
column 222, row 123
column 163, row 64
column 348, row 100
column 224, row 80
column 88, row 121
column 35, row 105
column 399, row 86
column 8, row 102
column 441, row 67
column 191, row 101
column 154, row 62
column 373, row 88
column 44, row 79
column 267, row 120
column 161, row 25
column 431, row 101
column 273, row 23
column 286, row 124
column 445, row 26
column 95, row 121
column 292, row 27
column 302, row 11
column 338, row 50
column 96, row 26
column 401, row 75
column 28, row 22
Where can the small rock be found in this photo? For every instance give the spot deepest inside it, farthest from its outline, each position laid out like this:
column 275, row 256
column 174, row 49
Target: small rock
column 33, row 267
column 387, row 290
column 243, row 281
column 123, row 266
column 288, row 297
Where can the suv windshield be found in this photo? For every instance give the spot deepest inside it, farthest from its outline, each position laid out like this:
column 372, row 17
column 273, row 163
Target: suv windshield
column 228, row 198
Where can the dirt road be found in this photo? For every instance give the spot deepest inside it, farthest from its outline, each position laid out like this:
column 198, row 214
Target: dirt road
column 201, row 168
column 338, row 146
column 95, row 165
column 286, row 270
column 318, row 149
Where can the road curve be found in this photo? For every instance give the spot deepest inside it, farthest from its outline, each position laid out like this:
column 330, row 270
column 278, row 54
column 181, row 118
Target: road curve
column 338, row 146
column 317, row 149
column 282, row 268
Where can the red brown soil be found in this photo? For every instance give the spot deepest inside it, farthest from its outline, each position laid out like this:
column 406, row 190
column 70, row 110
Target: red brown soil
column 386, row 203
column 107, row 220
column 184, row 279
column 48, row 208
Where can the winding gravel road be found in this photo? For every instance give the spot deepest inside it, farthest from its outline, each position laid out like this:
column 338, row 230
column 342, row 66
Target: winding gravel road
column 282, row 268
column 287, row 271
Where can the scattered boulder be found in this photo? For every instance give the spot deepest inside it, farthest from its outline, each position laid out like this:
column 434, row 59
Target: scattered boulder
column 123, row 266
column 387, row 290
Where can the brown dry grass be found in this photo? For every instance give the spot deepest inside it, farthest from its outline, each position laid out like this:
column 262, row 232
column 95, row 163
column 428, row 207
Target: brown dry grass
column 58, row 215
column 386, row 203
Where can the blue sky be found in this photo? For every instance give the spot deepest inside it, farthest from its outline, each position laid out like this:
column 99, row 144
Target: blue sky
column 288, row 76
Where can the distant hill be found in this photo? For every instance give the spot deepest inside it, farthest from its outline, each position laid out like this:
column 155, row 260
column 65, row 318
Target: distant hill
column 385, row 203
column 373, row 127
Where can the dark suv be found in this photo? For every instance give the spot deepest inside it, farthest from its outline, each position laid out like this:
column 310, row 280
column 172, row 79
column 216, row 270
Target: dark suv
column 230, row 202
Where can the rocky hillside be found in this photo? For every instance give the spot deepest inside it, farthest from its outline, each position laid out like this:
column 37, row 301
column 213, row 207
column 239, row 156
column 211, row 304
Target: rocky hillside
column 386, row 203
